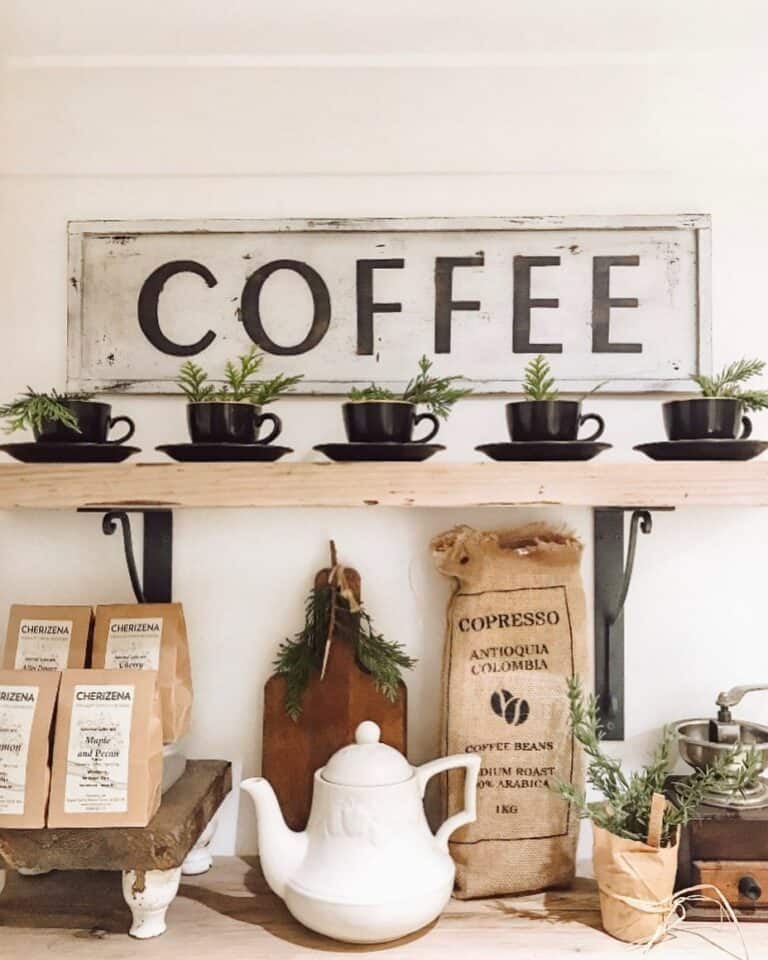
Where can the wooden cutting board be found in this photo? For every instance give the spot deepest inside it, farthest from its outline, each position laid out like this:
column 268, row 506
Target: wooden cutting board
column 331, row 710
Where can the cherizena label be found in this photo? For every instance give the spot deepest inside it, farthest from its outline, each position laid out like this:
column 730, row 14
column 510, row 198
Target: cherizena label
column 133, row 643
column 99, row 747
column 43, row 645
column 17, row 711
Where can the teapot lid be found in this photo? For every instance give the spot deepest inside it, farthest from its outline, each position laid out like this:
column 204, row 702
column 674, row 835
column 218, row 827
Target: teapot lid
column 367, row 762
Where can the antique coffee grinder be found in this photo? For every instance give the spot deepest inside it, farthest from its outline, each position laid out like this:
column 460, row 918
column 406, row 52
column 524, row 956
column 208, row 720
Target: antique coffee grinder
column 726, row 841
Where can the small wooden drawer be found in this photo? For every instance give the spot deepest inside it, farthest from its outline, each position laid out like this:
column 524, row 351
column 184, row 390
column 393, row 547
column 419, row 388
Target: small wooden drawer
column 744, row 883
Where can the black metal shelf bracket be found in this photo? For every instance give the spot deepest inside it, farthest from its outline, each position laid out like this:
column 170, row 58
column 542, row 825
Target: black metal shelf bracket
column 155, row 586
column 613, row 577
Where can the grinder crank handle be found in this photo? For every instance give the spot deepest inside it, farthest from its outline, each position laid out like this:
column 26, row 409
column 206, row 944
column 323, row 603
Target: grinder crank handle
column 729, row 698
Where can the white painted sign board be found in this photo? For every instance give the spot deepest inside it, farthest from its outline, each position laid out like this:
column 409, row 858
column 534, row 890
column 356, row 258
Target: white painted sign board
column 623, row 299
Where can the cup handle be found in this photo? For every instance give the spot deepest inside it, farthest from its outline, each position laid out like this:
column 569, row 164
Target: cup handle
column 277, row 426
column 471, row 763
column 746, row 431
column 128, row 435
column 600, row 425
column 435, row 426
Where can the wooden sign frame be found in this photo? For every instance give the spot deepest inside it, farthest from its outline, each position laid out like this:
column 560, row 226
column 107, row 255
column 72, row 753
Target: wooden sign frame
column 92, row 342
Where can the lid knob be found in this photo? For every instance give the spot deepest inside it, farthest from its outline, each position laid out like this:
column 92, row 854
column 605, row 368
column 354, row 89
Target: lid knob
column 368, row 732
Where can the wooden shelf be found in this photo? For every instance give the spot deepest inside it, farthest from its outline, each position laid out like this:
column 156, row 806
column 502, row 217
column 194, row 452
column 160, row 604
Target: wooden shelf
column 439, row 484
column 230, row 914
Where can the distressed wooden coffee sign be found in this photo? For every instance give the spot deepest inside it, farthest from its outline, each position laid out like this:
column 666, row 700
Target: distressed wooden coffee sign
column 623, row 299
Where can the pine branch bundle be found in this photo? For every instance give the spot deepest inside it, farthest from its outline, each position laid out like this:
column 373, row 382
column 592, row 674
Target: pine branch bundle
column 32, row 409
column 538, row 383
column 239, row 387
column 729, row 384
column 437, row 394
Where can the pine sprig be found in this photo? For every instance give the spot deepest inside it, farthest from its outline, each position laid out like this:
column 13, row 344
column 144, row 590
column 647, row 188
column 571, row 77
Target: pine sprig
column 299, row 656
column 728, row 384
column 239, row 387
column 372, row 392
column 32, row 409
column 626, row 806
column 437, row 394
column 193, row 382
column 538, row 382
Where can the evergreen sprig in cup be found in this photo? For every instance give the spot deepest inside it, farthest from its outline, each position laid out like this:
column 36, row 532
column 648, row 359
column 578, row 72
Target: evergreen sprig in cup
column 543, row 416
column 720, row 412
column 231, row 412
column 63, row 418
column 375, row 414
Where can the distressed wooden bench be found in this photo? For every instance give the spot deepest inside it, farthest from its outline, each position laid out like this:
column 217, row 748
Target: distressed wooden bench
column 152, row 858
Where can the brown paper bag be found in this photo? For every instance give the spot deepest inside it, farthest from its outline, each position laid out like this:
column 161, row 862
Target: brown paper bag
column 108, row 750
column 516, row 631
column 636, row 881
column 47, row 637
column 149, row 636
column 27, row 704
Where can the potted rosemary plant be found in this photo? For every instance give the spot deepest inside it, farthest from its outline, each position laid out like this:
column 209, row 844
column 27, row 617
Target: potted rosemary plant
column 375, row 414
column 231, row 412
column 637, row 822
column 63, row 418
column 543, row 415
column 718, row 414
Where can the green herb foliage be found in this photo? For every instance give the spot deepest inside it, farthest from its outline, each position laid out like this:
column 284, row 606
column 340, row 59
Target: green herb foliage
column 239, row 384
column 625, row 810
column 729, row 383
column 31, row 409
column 539, row 384
column 437, row 394
column 299, row 656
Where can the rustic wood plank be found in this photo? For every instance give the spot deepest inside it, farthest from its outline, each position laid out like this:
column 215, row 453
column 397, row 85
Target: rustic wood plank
column 183, row 815
column 229, row 913
column 439, row 484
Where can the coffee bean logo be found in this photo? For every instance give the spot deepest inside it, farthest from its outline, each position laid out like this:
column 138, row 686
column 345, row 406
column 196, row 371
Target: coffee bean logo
column 510, row 708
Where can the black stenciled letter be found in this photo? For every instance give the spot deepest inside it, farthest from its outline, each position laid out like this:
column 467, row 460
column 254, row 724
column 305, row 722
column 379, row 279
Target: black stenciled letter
column 251, row 314
column 366, row 307
column 444, row 302
column 602, row 303
column 521, row 319
column 149, row 296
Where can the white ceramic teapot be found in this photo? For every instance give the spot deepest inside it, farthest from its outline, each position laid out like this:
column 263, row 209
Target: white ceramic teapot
column 367, row 868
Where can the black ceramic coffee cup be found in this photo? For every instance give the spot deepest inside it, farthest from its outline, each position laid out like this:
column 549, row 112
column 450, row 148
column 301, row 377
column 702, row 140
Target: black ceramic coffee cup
column 94, row 422
column 706, row 418
column 537, row 420
column 228, row 422
column 385, row 421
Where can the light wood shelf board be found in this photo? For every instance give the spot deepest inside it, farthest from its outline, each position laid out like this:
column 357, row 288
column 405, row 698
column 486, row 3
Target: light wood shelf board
column 60, row 486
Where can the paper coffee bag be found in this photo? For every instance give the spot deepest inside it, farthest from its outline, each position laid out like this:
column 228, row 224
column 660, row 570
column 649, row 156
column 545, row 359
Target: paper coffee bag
column 108, row 750
column 149, row 636
column 516, row 632
column 27, row 705
column 47, row 637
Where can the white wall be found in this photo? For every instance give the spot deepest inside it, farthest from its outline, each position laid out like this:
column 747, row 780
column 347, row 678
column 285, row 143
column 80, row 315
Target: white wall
column 249, row 109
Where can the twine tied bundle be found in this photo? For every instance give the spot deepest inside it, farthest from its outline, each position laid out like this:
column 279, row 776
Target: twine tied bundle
column 337, row 581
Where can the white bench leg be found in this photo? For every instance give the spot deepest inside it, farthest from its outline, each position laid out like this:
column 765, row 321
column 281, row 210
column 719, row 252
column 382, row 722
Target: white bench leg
column 199, row 858
column 2, row 880
column 34, row 871
column 149, row 893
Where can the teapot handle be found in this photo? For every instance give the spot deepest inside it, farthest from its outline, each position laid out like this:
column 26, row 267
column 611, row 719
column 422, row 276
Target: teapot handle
column 469, row 814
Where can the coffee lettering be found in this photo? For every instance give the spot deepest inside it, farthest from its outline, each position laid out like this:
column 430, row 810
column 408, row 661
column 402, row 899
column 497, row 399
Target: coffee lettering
column 444, row 302
column 366, row 306
column 149, row 297
column 522, row 304
column 602, row 303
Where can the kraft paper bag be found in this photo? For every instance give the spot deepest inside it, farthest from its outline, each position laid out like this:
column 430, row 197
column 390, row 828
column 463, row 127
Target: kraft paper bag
column 516, row 632
column 27, row 705
column 47, row 637
column 149, row 636
column 108, row 750
column 636, row 881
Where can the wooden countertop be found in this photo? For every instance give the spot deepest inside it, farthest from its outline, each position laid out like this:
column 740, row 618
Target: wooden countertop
column 229, row 914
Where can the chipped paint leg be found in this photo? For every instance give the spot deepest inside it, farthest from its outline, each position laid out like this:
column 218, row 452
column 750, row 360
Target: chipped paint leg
column 199, row 859
column 149, row 893
column 2, row 880
column 34, row 871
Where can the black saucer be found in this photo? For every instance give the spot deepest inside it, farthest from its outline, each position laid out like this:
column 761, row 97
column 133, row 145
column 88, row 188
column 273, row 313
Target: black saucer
column 223, row 452
column 543, row 450
column 369, row 452
column 40, row 452
column 703, row 449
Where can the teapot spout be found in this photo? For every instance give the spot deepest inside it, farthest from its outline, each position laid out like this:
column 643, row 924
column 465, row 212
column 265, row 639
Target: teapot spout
column 281, row 849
